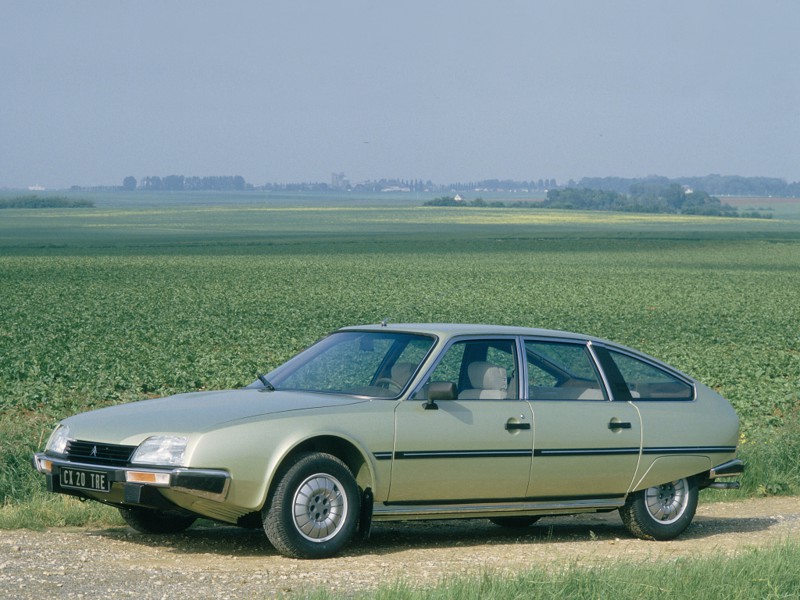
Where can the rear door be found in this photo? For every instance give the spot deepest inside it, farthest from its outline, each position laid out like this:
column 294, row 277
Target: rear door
column 586, row 445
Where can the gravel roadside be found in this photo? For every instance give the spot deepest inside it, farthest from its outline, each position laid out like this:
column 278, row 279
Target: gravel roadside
column 227, row 562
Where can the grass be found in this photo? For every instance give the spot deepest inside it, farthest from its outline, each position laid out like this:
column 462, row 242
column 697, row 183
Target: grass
column 771, row 455
column 769, row 573
column 55, row 510
column 161, row 294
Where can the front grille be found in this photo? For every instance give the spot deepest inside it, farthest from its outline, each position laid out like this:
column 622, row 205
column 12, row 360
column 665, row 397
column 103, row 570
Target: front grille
column 99, row 454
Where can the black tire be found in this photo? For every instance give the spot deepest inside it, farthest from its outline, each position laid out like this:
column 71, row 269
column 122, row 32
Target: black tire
column 662, row 512
column 514, row 522
column 314, row 510
column 148, row 520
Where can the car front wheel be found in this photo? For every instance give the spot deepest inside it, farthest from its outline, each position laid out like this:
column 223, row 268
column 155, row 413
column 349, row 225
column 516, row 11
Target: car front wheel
column 314, row 510
column 661, row 512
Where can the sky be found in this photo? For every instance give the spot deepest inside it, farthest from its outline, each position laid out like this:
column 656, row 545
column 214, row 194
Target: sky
column 92, row 91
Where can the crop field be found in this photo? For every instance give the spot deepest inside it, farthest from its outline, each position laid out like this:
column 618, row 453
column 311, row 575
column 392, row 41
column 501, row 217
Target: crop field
column 126, row 301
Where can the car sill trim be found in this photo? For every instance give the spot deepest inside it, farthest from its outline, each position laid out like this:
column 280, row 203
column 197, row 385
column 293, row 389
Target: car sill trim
column 390, row 512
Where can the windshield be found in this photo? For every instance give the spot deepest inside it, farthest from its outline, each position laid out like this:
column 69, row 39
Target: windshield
column 364, row 363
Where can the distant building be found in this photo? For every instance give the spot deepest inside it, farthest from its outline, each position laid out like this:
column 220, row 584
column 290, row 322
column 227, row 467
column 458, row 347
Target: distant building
column 339, row 181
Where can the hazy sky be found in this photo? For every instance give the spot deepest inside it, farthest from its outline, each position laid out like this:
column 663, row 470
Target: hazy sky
column 94, row 90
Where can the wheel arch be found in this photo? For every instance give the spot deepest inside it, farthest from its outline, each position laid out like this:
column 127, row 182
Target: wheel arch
column 345, row 450
column 671, row 468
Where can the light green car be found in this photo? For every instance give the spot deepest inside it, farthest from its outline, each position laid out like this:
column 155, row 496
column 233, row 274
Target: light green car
column 399, row 422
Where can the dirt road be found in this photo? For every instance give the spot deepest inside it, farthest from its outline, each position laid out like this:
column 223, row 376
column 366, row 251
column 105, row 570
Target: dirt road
column 226, row 562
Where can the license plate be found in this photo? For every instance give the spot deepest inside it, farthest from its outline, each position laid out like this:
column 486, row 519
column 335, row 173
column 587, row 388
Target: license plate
column 95, row 481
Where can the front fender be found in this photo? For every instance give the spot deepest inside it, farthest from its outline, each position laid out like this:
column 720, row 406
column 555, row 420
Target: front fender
column 253, row 451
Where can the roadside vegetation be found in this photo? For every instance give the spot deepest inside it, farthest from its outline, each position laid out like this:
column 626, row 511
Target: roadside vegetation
column 117, row 304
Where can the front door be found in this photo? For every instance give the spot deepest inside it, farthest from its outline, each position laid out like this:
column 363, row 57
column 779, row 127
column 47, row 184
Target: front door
column 476, row 447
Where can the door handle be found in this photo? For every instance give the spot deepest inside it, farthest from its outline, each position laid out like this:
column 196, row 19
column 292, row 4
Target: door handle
column 614, row 425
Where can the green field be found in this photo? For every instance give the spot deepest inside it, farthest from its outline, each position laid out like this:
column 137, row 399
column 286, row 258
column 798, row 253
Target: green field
column 146, row 295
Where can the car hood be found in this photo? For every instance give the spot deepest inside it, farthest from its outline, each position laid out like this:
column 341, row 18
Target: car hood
column 195, row 412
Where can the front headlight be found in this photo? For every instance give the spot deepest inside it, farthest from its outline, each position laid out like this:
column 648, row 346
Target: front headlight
column 161, row 450
column 57, row 444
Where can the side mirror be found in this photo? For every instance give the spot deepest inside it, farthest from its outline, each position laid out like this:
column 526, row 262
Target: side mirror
column 440, row 390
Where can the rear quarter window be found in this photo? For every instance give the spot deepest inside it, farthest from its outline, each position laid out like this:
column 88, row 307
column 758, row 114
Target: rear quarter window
column 646, row 381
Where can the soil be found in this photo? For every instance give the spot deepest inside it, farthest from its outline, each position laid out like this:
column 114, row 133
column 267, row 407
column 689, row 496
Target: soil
column 227, row 562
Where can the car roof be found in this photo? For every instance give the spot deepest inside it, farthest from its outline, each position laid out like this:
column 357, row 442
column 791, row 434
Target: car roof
column 448, row 330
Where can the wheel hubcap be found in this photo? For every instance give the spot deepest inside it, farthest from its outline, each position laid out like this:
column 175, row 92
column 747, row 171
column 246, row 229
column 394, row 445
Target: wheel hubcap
column 320, row 507
column 667, row 503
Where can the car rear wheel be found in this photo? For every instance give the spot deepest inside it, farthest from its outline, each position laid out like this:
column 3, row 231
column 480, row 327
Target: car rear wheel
column 661, row 512
column 314, row 510
column 148, row 520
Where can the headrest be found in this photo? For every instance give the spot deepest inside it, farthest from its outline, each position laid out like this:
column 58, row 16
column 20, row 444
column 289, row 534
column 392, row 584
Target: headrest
column 486, row 376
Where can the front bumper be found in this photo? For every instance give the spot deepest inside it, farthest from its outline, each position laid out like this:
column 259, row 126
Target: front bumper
column 138, row 484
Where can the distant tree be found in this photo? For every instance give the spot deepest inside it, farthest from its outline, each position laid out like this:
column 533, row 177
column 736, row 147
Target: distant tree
column 173, row 183
column 151, row 183
column 645, row 197
column 129, row 183
column 444, row 201
column 582, row 199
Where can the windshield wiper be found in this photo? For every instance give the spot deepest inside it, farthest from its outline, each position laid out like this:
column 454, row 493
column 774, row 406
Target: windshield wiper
column 267, row 385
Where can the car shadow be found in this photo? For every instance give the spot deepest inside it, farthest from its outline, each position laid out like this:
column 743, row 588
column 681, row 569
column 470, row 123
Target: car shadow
column 396, row 537
column 211, row 539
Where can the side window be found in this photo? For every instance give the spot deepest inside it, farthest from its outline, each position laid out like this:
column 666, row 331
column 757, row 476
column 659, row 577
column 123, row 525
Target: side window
column 561, row 371
column 449, row 368
column 648, row 382
column 480, row 369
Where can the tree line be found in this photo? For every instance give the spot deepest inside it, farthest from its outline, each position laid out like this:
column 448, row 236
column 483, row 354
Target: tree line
column 643, row 197
column 714, row 185
column 719, row 185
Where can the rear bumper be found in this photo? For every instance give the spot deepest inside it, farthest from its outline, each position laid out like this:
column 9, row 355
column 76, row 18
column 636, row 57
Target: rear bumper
column 138, row 484
column 731, row 468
